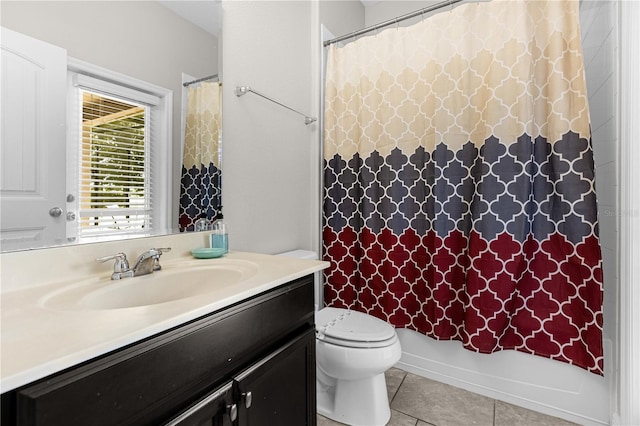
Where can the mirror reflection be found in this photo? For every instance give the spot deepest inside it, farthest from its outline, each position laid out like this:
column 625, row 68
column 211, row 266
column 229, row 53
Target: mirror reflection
column 102, row 119
column 200, row 179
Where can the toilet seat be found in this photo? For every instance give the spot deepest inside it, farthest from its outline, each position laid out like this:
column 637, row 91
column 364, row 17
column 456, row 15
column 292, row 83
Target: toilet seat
column 353, row 329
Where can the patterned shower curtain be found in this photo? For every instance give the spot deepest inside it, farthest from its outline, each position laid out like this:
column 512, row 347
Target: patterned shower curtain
column 459, row 186
column 200, row 183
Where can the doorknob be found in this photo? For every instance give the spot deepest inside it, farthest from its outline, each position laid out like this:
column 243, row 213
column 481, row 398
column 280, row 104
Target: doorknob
column 55, row 212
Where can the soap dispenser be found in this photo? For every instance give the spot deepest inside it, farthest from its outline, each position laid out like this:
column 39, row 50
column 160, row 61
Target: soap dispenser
column 219, row 234
column 202, row 224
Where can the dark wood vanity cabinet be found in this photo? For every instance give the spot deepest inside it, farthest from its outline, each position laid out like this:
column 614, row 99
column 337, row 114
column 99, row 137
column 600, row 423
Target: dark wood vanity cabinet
column 252, row 363
column 269, row 391
column 273, row 391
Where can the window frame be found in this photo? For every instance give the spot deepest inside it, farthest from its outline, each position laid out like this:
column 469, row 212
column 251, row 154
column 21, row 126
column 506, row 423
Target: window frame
column 84, row 75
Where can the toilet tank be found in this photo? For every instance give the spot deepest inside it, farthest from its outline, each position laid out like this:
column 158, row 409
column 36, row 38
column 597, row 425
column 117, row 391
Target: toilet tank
column 317, row 278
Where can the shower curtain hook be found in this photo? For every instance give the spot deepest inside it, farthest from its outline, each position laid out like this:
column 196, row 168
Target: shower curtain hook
column 354, row 36
column 451, row 5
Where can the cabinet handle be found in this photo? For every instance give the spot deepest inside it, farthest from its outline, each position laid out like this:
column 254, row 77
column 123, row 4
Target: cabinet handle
column 247, row 399
column 184, row 418
column 232, row 411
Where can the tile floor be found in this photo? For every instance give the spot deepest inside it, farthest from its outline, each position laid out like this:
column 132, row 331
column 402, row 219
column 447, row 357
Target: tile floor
column 417, row 401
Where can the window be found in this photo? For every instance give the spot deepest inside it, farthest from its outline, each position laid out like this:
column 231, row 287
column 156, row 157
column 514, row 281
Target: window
column 114, row 194
column 118, row 158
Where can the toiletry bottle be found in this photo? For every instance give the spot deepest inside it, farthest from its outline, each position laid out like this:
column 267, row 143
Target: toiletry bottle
column 219, row 235
column 202, row 224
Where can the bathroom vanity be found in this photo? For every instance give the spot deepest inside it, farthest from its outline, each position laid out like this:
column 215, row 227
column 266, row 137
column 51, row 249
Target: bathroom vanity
column 249, row 360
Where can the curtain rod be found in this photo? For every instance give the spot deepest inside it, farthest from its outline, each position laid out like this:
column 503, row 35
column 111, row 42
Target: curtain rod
column 198, row 80
column 395, row 20
column 243, row 90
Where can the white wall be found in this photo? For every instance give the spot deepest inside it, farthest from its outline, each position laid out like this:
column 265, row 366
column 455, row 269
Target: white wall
column 629, row 215
column 598, row 20
column 384, row 10
column 270, row 158
column 141, row 39
column 342, row 17
column 599, row 39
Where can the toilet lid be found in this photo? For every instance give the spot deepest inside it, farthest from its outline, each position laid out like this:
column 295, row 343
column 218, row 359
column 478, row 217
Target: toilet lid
column 352, row 328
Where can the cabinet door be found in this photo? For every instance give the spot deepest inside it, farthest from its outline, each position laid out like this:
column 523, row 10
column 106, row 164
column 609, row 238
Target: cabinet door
column 280, row 389
column 215, row 409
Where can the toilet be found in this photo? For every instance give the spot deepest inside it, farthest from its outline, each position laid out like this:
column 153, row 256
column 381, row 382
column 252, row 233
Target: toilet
column 353, row 351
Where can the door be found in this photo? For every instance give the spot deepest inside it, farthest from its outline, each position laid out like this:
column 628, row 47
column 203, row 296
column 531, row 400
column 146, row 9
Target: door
column 32, row 142
column 280, row 389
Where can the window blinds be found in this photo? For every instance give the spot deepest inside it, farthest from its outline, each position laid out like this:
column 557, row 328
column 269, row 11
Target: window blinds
column 115, row 190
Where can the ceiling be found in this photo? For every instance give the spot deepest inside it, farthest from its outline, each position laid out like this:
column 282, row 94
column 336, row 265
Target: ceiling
column 206, row 14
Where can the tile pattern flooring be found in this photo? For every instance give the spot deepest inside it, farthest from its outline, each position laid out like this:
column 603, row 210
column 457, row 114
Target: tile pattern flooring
column 417, row 401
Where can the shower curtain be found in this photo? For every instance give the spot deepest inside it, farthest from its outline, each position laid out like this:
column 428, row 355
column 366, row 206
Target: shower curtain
column 200, row 182
column 459, row 188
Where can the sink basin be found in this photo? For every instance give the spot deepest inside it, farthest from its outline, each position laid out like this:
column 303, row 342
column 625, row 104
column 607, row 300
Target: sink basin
column 165, row 286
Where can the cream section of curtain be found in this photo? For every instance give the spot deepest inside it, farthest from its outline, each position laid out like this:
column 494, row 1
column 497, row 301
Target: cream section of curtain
column 501, row 69
column 202, row 129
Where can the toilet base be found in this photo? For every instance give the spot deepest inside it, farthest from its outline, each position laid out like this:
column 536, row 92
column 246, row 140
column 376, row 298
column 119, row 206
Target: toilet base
column 354, row 402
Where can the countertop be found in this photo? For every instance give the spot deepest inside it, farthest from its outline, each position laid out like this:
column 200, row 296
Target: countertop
column 38, row 340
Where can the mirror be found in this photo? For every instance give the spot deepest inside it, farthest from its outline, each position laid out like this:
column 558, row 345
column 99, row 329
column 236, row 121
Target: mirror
column 163, row 43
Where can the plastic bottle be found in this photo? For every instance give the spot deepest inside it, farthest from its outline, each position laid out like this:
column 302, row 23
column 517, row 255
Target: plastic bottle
column 202, row 224
column 219, row 235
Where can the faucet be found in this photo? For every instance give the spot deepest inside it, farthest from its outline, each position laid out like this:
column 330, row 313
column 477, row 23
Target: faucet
column 149, row 261
column 146, row 263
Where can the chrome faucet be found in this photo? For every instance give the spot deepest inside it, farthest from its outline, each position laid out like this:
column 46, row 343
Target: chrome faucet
column 146, row 263
column 149, row 261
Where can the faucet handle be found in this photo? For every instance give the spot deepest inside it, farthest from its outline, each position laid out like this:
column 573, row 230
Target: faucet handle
column 120, row 267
